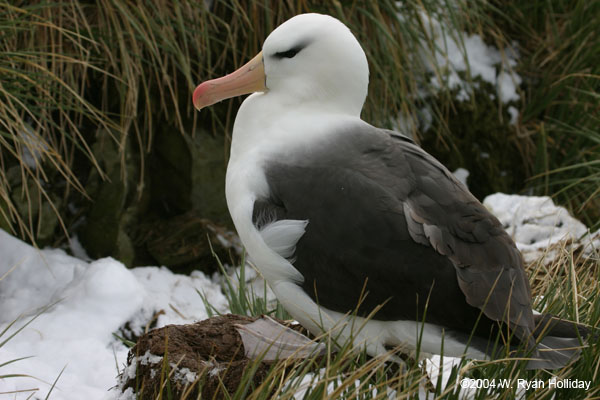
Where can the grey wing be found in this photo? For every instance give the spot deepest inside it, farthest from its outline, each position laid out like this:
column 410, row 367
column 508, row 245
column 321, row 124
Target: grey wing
column 441, row 213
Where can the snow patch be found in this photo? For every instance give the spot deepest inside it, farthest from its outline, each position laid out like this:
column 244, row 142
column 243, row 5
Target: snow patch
column 33, row 146
column 455, row 52
column 83, row 304
column 173, row 298
column 462, row 175
column 184, row 375
column 128, row 394
column 459, row 61
column 77, row 249
column 514, row 115
column 534, row 223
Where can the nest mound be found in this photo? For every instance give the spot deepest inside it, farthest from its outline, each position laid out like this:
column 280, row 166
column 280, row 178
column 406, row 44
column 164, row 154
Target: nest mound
column 201, row 359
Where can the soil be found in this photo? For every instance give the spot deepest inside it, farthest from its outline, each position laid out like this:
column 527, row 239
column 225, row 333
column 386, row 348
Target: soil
column 204, row 359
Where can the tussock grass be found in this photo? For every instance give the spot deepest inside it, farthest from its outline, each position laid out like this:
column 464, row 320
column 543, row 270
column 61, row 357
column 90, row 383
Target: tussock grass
column 73, row 70
column 560, row 46
column 76, row 72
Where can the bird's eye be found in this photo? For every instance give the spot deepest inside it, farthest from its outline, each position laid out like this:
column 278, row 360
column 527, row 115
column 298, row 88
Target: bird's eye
column 288, row 54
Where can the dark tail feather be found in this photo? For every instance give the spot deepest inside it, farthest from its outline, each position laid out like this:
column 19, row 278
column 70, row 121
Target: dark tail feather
column 550, row 325
column 561, row 342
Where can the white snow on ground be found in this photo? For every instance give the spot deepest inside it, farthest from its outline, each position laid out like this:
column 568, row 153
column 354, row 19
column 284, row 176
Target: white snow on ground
column 514, row 115
column 535, row 223
column 591, row 243
column 89, row 302
column 311, row 379
column 176, row 295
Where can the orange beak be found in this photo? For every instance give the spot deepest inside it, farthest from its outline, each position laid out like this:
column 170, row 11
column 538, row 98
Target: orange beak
column 249, row 78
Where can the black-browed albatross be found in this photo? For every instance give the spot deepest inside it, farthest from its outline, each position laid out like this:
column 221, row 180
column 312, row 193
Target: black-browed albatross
column 330, row 208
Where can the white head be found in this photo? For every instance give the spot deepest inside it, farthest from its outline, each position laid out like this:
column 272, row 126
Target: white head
column 309, row 59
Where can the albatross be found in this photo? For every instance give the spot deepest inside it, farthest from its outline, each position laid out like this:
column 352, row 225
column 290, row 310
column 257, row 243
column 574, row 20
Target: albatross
column 357, row 230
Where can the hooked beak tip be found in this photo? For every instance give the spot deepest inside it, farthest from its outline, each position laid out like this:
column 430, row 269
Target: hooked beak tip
column 249, row 78
column 198, row 92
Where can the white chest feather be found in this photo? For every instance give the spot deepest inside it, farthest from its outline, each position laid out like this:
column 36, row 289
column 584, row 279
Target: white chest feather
column 271, row 247
column 256, row 142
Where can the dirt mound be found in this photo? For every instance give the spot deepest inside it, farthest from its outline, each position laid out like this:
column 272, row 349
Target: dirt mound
column 205, row 358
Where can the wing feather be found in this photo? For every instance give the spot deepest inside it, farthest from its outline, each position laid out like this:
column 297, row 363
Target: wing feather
column 488, row 264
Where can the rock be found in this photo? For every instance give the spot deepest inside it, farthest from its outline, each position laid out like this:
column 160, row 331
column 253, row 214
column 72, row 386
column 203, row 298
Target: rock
column 208, row 176
column 169, row 168
column 37, row 212
column 201, row 360
column 103, row 233
column 188, row 173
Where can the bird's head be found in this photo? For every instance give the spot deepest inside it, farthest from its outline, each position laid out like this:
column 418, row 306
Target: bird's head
column 310, row 59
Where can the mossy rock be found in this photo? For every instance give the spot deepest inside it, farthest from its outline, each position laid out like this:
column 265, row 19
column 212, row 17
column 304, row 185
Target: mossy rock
column 187, row 203
column 34, row 209
column 104, row 232
column 170, row 166
column 188, row 173
column 210, row 156
column 166, row 212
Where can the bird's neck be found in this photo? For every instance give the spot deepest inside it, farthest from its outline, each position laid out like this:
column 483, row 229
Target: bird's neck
column 266, row 123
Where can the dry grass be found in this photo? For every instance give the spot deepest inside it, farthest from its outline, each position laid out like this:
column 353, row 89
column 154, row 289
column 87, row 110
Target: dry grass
column 560, row 62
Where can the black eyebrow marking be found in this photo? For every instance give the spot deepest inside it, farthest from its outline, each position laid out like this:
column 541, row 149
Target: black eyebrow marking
column 291, row 52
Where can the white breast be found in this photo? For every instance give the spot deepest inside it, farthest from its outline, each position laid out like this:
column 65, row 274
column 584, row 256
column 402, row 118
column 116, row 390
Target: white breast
column 270, row 248
column 264, row 131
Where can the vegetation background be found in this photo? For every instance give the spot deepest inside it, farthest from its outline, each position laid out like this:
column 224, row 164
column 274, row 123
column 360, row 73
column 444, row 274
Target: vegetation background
column 99, row 139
